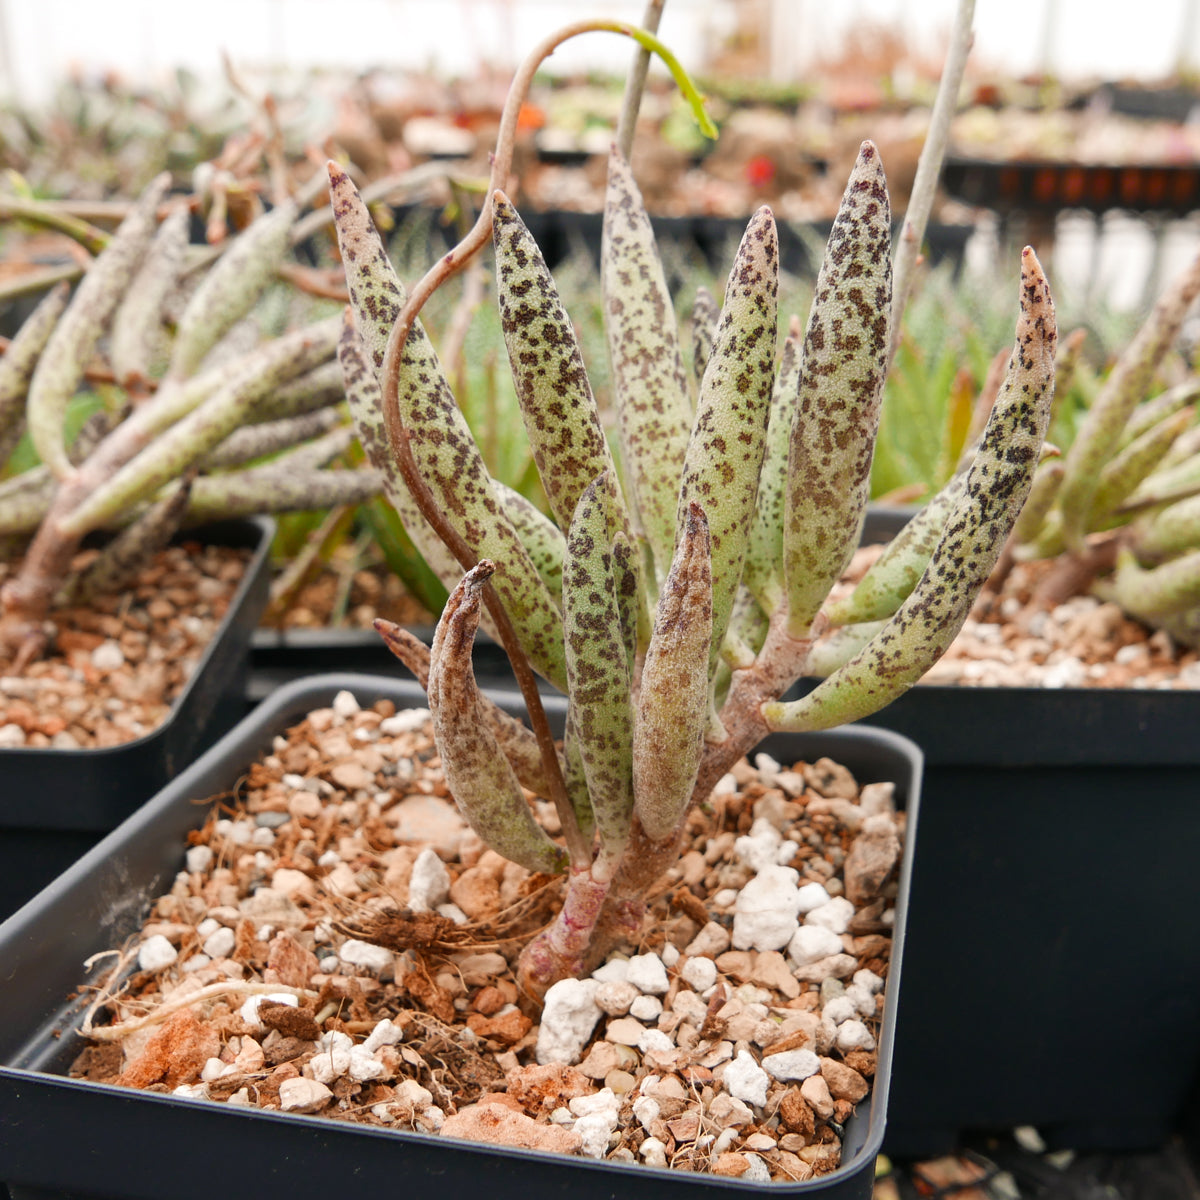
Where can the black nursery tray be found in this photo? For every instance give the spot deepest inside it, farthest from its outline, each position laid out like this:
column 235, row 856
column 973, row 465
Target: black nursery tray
column 1052, row 974
column 57, row 803
column 65, row 1137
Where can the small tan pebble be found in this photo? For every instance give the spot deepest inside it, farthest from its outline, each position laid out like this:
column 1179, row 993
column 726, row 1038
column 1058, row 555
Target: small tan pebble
column 292, row 883
column 625, row 1030
column 603, row 1058
column 731, row 1164
column 736, row 963
column 507, row 1028
column 615, row 998
column 620, row 1082
column 844, row 1082
column 502, row 1126
column 815, row 1091
column 477, row 892
column 488, row 1001
column 822, row 1157
column 771, row 970
column 712, row 940
column 830, row 779
column 303, row 1095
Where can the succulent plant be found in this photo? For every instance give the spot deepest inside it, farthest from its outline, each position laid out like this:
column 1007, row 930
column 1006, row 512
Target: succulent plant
column 1120, row 509
column 678, row 593
column 188, row 446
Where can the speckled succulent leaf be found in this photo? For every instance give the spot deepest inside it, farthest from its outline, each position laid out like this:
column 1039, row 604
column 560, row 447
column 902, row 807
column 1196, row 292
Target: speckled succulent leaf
column 270, row 437
column 477, row 773
column 516, row 740
column 63, row 361
column 376, row 293
column 232, row 287
column 138, row 325
column 1166, row 590
column 123, row 557
column 632, row 611
column 672, row 704
column 453, row 468
column 598, row 677
column 1171, row 531
column 763, row 570
column 365, row 400
column 839, row 647
column 575, row 780
column 21, row 357
column 650, row 385
column 542, row 539
column 561, row 419
column 996, row 486
column 25, row 500
column 705, row 314
column 1047, row 479
column 1150, row 412
column 1132, row 464
column 1178, row 475
column 893, row 575
column 438, row 436
column 261, row 489
column 190, row 438
column 314, row 390
column 1066, row 363
column 1125, row 387
column 841, row 386
column 725, row 454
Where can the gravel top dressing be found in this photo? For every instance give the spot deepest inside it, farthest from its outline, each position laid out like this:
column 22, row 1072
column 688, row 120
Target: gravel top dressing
column 340, row 943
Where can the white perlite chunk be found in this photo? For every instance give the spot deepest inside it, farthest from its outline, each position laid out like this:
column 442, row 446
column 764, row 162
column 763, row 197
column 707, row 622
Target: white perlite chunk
column 332, row 1059
column 429, row 884
column 646, row 1109
column 854, row 1035
column 813, row 943
column 840, row 1009
column 407, row 721
column 765, row 911
column 654, row 1151
column 790, row 1065
column 869, row 980
column 364, row 1065
column 375, row 959
column 385, row 1034
column 155, row 953
column 249, row 1011
column 615, row 999
column 569, row 1015
column 646, row 1008
column 648, row 974
column 198, row 858
column 597, row 1120
column 616, row 970
column 760, row 847
column 835, row 914
column 699, row 973
column 220, row 943
column 812, row 895
column 745, row 1080
column 345, row 705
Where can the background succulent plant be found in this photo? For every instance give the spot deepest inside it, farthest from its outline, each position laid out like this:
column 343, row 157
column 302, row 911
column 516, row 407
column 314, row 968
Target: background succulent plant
column 204, row 419
column 679, row 593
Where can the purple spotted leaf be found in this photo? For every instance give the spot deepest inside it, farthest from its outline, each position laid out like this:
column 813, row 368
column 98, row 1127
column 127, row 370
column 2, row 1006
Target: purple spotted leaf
column 841, row 388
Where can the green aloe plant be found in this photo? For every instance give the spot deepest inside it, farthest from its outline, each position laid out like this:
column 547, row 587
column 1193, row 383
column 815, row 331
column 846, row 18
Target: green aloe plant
column 680, row 588
column 189, row 446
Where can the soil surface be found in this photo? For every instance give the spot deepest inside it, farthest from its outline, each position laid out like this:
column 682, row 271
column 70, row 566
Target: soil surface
column 350, row 600
column 116, row 665
column 340, row 943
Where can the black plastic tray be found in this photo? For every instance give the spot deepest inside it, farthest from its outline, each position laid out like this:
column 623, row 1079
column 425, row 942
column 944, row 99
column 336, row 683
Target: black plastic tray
column 1052, row 966
column 65, row 1137
column 57, row 803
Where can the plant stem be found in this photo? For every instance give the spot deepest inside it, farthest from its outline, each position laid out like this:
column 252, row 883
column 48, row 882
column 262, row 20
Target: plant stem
column 635, row 84
column 929, row 167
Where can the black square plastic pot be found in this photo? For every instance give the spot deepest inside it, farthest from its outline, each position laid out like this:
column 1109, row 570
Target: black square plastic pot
column 1052, row 963
column 66, row 1137
column 56, row 804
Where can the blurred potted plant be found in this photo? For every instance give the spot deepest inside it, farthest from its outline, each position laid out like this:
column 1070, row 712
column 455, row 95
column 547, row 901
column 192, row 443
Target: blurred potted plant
column 165, row 449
